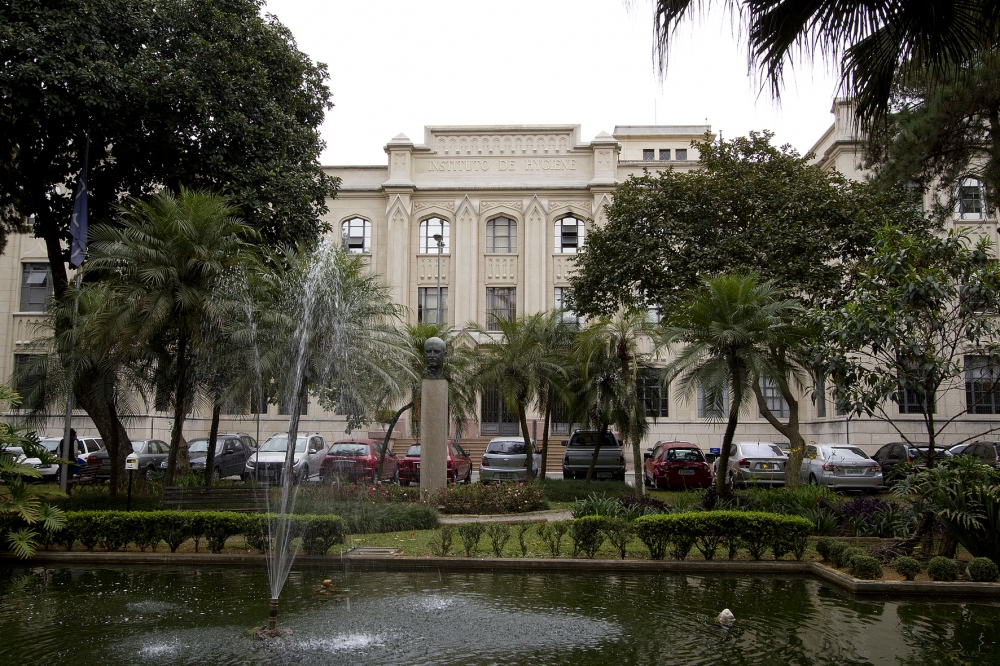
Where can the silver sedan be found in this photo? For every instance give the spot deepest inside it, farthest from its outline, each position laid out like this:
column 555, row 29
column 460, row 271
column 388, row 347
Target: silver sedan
column 840, row 467
column 755, row 463
column 504, row 461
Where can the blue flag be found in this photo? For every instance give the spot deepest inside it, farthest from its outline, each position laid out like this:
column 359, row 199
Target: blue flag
column 78, row 223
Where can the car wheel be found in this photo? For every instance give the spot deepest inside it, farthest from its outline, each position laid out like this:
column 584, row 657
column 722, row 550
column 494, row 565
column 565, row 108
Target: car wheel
column 468, row 477
column 216, row 475
column 150, row 473
column 395, row 477
column 405, row 484
column 812, row 480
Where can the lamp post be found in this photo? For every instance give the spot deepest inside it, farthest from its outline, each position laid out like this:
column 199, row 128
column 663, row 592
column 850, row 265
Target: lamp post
column 439, row 239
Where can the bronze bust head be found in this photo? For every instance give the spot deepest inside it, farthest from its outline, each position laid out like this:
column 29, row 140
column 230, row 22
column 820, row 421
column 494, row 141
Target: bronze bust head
column 434, row 353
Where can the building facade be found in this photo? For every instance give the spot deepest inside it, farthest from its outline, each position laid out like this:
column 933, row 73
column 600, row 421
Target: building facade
column 481, row 220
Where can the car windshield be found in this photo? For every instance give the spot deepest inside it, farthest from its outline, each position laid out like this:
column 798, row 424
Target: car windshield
column 761, row 450
column 509, row 448
column 922, row 453
column 140, row 447
column 13, row 450
column 276, row 443
column 201, row 446
column 848, row 453
column 413, row 451
column 51, row 445
column 685, row 455
column 589, row 439
column 349, row 449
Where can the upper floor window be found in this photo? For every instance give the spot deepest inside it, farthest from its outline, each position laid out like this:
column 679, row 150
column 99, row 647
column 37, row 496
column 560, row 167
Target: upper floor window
column 559, row 303
column 569, row 233
column 713, row 403
column 664, row 153
column 970, row 204
column 433, row 226
column 427, row 305
column 775, row 402
column 501, row 302
column 652, row 393
column 356, row 235
column 982, row 385
column 501, row 235
column 647, row 154
column 681, row 154
column 36, row 287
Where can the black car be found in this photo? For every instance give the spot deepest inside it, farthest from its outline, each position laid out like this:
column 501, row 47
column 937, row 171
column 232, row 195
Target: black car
column 232, row 450
column 901, row 454
column 987, row 452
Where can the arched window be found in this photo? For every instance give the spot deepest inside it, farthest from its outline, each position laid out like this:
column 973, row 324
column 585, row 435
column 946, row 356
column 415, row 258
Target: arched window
column 429, row 228
column 501, row 235
column 356, row 235
column 970, row 204
column 569, row 233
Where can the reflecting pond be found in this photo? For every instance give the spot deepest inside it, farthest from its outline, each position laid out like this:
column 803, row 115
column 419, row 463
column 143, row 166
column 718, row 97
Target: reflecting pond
column 187, row 615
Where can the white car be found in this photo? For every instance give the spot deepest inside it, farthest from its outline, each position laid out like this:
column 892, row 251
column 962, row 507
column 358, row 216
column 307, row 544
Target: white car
column 755, row 463
column 50, row 473
column 267, row 461
column 841, row 467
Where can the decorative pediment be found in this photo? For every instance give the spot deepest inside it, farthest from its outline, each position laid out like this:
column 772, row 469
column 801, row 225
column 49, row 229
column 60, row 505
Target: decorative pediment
column 446, row 205
column 582, row 206
column 511, row 204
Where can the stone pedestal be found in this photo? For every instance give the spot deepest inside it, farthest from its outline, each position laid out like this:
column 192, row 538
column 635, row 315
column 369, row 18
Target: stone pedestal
column 433, row 434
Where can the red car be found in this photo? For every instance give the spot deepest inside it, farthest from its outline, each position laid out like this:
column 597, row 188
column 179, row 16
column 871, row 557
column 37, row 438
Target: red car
column 676, row 465
column 357, row 460
column 459, row 465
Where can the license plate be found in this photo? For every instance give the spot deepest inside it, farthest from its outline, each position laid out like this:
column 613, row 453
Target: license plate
column 506, row 475
column 603, row 475
column 418, row 465
column 764, row 466
column 854, row 470
column 686, row 472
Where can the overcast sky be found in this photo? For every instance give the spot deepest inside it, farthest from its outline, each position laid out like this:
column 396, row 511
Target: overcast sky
column 398, row 65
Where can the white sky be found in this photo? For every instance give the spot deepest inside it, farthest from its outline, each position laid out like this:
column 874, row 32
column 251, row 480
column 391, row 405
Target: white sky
column 397, row 65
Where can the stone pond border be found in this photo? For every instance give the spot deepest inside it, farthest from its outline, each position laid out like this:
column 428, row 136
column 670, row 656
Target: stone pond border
column 533, row 565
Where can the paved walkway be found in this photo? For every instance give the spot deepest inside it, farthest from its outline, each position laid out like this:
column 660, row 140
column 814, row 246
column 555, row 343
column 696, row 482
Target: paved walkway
column 550, row 516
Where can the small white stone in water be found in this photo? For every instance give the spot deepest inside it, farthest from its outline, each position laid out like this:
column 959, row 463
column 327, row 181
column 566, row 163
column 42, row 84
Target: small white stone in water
column 726, row 617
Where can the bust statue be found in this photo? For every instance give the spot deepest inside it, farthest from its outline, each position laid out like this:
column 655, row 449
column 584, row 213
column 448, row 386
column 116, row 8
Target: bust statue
column 434, row 353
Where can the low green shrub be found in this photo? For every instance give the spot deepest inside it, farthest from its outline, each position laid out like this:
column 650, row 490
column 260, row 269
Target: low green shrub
column 377, row 518
column 552, row 534
column 320, row 533
column 219, row 530
column 489, row 498
column 843, row 558
column 498, row 534
column 866, row 567
column 942, row 568
column 442, row 542
column 983, row 570
column 709, row 530
column 588, row 536
column 571, row 490
column 834, row 550
column 907, row 567
column 145, row 497
column 629, row 507
column 823, row 547
column 620, row 533
column 470, row 534
column 522, row 533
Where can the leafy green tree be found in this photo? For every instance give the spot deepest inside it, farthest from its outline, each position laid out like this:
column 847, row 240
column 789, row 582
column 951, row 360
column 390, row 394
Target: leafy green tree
column 921, row 310
column 725, row 333
column 869, row 41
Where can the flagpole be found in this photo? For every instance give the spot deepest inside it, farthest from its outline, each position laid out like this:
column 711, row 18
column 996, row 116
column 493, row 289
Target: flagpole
column 68, row 428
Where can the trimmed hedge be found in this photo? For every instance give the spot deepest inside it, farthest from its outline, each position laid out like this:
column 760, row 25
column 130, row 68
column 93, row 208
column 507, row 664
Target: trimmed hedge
column 866, row 567
column 571, row 490
column 115, row 530
column 373, row 518
column 942, row 568
column 709, row 530
column 489, row 498
column 983, row 570
column 907, row 567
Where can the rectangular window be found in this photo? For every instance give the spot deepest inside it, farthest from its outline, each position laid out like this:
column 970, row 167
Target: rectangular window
column 427, row 305
column 712, row 403
column 773, row 399
column 501, row 236
column 821, row 396
column 36, row 287
column 912, row 402
column 500, row 302
column 970, row 199
column 982, row 385
column 258, row 401
column 28, row 381
column 559, row 303
column 648, row 154
column 652, row 394
column 681, row 153
column 664, row 153
column 303, row 407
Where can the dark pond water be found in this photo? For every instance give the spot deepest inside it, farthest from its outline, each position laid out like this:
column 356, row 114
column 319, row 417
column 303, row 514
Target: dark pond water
column 132, row 615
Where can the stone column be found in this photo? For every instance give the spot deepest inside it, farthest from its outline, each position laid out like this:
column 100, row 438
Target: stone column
column 433, row 435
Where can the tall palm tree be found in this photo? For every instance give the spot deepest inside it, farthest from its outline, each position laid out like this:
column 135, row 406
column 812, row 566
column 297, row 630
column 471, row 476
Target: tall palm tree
column 612, row 351
column 515, row 362
column 556, row 333
column 726, row 331
column 871, row 39
column 165, row 259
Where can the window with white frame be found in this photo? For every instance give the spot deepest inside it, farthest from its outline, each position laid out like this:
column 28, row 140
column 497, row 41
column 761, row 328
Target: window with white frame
column 982, row 385
column 970, row 204
column 427, row 305
column 569, row 232
column 912, row 401
column 651, row 391
column 713, row 403
column 356, row 235
column 775, row 402
column 501, row 235
column 681, row 154
column 500, row 302
column 29, row 380
column 647, row 154
column 560, row 296
column 36, row 287
column 433, row 226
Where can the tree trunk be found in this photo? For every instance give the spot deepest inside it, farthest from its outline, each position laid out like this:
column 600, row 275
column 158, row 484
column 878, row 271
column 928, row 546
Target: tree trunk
column 790, row 430
column 388, row 434
column 177, row 460
column 529, row 450
column 640, row 487
column 545, row 437
column 602, row 433
column 116, row 439
column 929, row 420
column 213, row 434
column 727, row 443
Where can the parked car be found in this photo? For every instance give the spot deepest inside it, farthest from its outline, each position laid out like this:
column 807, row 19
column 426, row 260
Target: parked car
column 840, row 467
column 357, row 460
column 231, row 455
column 904, row 455
column 580, row 453
column 49, row 472
column 504, row 461
column 459, row 465
column 755, row 463
column 86, row 446
column 152, row 454
column 267, row 462
column 676, row 465
column 987, row 452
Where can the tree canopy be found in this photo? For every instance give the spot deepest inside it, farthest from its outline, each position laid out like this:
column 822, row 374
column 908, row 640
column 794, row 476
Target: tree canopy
column 753, row 207
column 207, row 95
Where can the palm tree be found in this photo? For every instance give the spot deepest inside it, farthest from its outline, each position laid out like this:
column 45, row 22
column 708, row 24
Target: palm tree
column 611, row 354
column 727, row 330
column 165, row 260
column 515, row 363
column 873, row 40
column 556, row 334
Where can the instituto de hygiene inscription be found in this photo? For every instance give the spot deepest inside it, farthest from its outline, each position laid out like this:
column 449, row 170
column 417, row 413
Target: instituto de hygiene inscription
column 525, row 164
